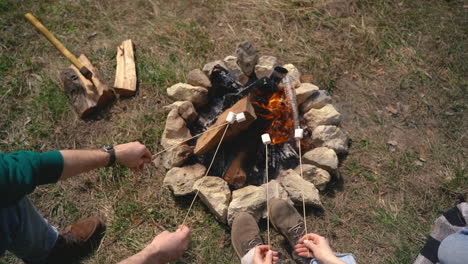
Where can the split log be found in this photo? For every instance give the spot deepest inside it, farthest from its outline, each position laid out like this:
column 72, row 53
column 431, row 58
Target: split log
column 210, row 139
column 86, row 96
column 235, row 174
column 125, row 82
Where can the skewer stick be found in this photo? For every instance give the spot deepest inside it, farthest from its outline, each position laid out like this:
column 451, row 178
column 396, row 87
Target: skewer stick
column 207, row 171
column 266, row 140
column 298, row 134
column 188, row 139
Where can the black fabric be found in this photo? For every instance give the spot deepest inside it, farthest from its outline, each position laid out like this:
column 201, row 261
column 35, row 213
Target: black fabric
column 430, row 249
column 455, row 217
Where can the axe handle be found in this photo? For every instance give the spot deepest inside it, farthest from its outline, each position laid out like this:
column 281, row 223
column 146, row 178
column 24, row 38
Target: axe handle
column 36, row 23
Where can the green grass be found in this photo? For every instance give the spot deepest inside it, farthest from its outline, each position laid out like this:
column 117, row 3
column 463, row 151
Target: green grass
column 373, row 54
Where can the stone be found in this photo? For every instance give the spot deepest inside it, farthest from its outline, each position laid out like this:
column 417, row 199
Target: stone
column 180, row 154
column 175, row 131
column 250, row 199
column 177, row 156
column 215, row 194
column 326, row 115
column 198, row 78
column 275, row 191
column 185, row 109
column 181, row 180
column 231, row 63
column 186, row 92
column 316, row 101
column 293, row 73
column 319, row 177
column 321, row 157
column 208, row 68
column 305, row 91
column 246, row 57
column 331, row 137
column 298, row 187
column 265, row 66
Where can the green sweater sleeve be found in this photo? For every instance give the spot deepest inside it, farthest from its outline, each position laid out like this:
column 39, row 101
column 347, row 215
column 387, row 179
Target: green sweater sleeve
column 22, row 171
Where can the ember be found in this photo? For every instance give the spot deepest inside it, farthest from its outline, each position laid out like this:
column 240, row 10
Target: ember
column 279, row 112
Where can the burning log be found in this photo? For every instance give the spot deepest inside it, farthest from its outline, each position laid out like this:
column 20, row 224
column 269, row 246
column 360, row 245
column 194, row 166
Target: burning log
column 209, row 140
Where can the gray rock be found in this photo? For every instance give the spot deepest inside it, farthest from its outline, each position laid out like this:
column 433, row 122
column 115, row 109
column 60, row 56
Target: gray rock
column 250, row 199
column 305, row 91
column 265, row 66
column 185, row 109
column 208, row 68
column 331, row 137
column 321, row 157
column 231, row 63
column 293, row 73
column 181, row 180
column 175, row 131
column 198, row 78
column 319, row 177
column 275, row 191
column 246, row 57
column 326, row 115
column 177, row 156
column 186, row 92
column 316, row 101
column 298, row 187
column 215, row 193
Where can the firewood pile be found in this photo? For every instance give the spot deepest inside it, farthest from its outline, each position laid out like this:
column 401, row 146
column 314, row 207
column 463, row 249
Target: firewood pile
column 254, row 89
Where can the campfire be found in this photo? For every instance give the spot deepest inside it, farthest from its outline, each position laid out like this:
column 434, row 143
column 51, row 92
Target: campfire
column 213, row 135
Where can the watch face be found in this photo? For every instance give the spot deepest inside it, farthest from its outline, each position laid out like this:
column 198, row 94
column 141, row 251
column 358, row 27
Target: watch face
column 107, row 147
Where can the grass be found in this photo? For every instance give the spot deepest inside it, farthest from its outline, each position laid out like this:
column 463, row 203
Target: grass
column 368, row 53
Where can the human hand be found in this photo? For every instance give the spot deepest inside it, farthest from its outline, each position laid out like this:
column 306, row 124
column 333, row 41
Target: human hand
column 264, row 255
column 315, row 246
column 169, row 246
column 133, row 155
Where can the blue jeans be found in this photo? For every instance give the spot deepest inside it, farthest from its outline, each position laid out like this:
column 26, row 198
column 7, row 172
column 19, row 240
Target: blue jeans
column 454, row 248
column 25, row 233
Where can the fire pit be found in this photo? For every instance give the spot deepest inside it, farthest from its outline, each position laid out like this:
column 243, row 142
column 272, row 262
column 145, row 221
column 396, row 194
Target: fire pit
column 259, row 96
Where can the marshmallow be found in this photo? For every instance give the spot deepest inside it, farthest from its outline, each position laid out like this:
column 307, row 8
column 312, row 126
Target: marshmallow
column 231, row 118
column 298, row 133
column 240, row 117
column 266, row 139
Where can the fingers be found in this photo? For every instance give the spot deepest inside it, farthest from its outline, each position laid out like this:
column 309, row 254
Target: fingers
column 269, row 257
column 183, row 229
column 310, row 236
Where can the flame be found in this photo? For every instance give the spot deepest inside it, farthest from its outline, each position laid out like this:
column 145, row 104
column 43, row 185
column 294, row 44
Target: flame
column 278, row 110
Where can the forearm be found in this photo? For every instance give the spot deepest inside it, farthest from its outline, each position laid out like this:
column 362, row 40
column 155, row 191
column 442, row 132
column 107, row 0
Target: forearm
column 142, row 257
column 79, row 161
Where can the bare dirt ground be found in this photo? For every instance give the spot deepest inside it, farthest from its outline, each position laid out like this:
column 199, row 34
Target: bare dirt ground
column 396, row 69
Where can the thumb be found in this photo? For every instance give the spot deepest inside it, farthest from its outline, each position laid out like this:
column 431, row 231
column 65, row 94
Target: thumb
column 309, row 244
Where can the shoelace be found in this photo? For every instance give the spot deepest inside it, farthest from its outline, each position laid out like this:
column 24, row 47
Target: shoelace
column 251, row 244
column 296, row 232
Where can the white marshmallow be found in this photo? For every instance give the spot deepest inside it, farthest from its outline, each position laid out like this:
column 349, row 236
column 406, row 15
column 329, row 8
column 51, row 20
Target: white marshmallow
column 231, row 118
column 298, row 133
column 240, row 117
column 266, row 139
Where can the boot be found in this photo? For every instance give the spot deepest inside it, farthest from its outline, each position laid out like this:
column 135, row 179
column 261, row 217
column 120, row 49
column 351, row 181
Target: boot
column 245, row 234
column 288, row 222
column 76, row 241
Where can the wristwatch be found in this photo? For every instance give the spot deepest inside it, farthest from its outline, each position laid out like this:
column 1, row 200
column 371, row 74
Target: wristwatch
column 109, row 149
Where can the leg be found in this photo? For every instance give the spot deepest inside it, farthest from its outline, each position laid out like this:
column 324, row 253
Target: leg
column 28, row 235
column 245, row 236
column 453, row 249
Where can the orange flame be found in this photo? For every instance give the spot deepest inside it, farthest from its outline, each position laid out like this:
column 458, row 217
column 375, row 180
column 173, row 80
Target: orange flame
column 279, row 112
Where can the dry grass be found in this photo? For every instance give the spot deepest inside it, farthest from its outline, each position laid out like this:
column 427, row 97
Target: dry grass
column 369, row 54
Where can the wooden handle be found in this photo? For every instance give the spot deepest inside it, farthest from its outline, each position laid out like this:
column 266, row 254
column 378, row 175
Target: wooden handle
column 36, row 23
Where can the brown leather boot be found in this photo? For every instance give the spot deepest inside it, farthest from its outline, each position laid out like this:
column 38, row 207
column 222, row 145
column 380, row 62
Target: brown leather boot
column 77, row 241
column 245, row 234
column 287, row 221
